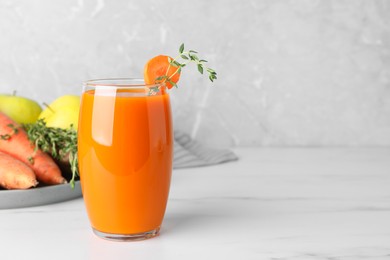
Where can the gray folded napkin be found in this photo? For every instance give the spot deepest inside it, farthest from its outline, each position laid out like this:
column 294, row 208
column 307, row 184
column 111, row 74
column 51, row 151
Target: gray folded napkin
column 191, row 153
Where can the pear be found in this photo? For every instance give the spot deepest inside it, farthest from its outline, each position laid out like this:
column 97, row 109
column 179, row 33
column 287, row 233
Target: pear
column 62, row 112
column 22, row 110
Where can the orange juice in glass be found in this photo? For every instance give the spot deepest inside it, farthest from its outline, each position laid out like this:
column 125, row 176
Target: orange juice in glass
column 125, row 150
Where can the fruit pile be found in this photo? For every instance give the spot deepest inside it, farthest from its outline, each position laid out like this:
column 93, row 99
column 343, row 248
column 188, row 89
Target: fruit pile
column 24, row 126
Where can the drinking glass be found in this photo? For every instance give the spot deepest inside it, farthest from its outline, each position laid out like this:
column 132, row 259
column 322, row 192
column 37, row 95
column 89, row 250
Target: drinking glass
column 125, row 150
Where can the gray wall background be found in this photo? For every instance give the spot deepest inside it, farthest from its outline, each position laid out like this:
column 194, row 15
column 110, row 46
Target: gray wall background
column 299, row 72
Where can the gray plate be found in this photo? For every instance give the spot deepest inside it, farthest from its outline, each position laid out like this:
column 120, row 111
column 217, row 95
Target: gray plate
column 38, row 196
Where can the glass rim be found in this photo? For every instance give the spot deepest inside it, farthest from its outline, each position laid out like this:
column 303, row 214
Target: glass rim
column 118, row 83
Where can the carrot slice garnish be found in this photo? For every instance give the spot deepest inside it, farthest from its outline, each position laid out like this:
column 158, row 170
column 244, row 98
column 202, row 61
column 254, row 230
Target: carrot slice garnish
column 161, row 70
column 164, row 70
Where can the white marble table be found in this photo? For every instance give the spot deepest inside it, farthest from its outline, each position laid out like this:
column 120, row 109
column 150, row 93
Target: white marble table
column 271, row 204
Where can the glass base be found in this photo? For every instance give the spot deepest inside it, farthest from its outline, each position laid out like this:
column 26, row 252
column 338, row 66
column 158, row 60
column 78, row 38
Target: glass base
column 127, row 237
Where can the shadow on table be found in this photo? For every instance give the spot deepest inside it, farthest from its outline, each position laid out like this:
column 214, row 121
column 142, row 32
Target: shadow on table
column 214, row 214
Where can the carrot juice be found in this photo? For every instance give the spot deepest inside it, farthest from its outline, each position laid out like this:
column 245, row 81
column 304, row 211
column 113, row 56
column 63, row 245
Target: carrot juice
column 125, row 146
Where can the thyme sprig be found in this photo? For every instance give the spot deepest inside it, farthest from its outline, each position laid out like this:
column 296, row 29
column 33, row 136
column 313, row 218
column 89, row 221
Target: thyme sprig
column 191, row 56
column 183, row 59
column 60, row 143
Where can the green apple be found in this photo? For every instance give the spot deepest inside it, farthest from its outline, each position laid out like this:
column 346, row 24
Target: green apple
column 20, row 109
column 62, row 112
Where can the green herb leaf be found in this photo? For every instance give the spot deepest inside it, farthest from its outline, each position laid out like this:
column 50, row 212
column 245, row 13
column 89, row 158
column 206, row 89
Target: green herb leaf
column 5, row 137
column 175, row 64
column 160, row 78
column 200, row 68
column 181, row 49
column 193, row 57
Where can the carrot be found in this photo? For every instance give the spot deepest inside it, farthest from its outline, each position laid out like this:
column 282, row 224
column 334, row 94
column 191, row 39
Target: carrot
column 160, row 70
column 14, row 141
column 15, row 174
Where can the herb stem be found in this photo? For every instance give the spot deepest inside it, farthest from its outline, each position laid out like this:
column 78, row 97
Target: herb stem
column 187, row 57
